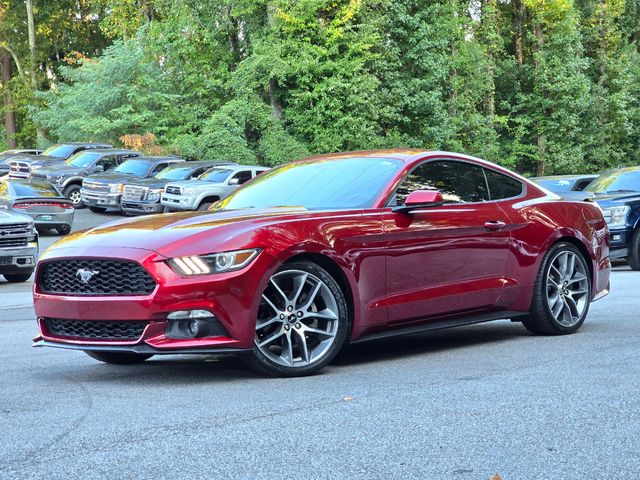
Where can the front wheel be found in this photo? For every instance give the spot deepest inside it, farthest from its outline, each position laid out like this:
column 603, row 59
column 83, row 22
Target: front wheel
column 72, row 192
column 562, row 292
column 634, row 251
column 302, row 321
column 119, row 358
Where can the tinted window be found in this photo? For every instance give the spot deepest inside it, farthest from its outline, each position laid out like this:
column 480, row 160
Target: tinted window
column 108, row 162
column 175, row 172
column 240, row 177
column 35, row 190
column 59, row 150
column 582, row 184
column 501, row 186
column 321, row 184
column 616, row 181
column 138, row 168
column 158, row 168
column 458, row 182
column 215, row 175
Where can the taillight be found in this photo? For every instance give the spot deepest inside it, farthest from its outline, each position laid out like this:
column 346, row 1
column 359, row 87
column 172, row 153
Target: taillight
column 66, row 206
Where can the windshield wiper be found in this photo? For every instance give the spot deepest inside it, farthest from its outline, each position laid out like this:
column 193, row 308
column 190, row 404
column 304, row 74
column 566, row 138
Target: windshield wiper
column 622, row 190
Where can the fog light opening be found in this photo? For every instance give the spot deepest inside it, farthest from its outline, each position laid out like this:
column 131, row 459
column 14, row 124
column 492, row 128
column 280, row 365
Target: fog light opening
column 194, row 324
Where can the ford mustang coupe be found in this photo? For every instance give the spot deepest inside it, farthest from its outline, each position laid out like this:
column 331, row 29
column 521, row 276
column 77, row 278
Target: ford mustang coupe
column 324, row 251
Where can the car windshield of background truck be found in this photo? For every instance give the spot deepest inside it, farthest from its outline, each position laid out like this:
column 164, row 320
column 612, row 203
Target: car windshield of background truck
column 323, row 184
column 616, row 181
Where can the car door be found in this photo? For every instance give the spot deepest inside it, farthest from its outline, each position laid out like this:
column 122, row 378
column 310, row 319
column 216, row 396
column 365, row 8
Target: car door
column 446, row 259
column 237, row 179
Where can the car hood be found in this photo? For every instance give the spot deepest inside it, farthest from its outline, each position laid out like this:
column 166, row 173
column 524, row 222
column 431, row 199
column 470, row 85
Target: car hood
column 148, row 182
column 36, row 159
column 61, row 170
column 7, row 217
column 607, row 201
column 108, row 178
column 184, row 233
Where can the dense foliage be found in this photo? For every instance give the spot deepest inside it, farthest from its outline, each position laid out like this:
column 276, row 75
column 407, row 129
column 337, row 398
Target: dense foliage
column 542, row 86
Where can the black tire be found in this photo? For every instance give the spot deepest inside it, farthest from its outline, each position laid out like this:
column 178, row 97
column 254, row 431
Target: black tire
column 118, row 358
column 634, row 251
column 18, row 277
column 72, row 192
column 167, row 210
column 263, row 364
column 97, row 209
column 540, row 319
column 63, row 229
column 204, row 206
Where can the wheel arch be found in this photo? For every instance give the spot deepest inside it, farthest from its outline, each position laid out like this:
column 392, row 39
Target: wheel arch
column 72, row 181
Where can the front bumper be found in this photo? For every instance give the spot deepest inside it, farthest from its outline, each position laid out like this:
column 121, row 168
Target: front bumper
column 104, row 200
column 178, row 202
column 230, row 297
column 140, row 208
column 19, row 260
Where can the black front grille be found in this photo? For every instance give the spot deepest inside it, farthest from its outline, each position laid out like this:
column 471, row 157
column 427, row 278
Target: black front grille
column 14, row 229
column 173, row 190
column 95, row 329
column 90, row 277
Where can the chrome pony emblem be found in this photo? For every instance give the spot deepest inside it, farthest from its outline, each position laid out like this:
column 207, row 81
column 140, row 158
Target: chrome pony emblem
column 85, row 276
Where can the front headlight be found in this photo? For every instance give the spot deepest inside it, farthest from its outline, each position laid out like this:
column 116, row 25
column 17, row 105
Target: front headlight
column 154, row 194
column 116, row 188
column 189, row 192
column 213, row 263
column 618, row 216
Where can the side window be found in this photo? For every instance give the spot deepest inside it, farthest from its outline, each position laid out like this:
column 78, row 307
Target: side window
column 459, row 182
column 198, row 172
column 125, row 157
column 582, row 184
column 240, row 177
column 158, row 168
column 501, row 186
column 79, row 149
column 108, row 163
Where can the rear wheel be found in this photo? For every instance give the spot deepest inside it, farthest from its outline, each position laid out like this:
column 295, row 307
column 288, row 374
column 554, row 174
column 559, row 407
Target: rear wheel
column 119, row 358
column 204, row 206
column 634, row 251
column 72, row 192
column 63, row 229
column 562, row 292
column 97, row 209
column 302, row 321
column 17, row 277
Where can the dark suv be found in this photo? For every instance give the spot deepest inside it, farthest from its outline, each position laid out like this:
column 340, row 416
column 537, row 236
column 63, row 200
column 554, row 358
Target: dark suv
column 618, row 194
column 104, row 190
column 68, row 176
column 22, row 166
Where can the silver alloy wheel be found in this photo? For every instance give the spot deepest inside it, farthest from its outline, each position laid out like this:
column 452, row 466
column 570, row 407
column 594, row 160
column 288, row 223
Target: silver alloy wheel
column 298, row 319
column 75, row 197
column 567, row 288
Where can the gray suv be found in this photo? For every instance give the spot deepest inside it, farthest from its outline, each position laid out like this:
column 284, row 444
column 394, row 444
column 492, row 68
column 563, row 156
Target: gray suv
column 211, row 186
column 68, row 176
column 18, row 246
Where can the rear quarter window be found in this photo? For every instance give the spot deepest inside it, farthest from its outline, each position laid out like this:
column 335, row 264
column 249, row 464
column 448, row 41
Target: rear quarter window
column 502, row 186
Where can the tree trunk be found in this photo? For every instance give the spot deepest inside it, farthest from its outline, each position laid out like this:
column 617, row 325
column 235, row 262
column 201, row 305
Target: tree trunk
column 9, row 117
column 519, row 15
column 274, row 90
column 542, row 137
column 31, row 28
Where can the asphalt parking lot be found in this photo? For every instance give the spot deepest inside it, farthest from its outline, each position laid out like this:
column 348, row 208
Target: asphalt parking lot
column 454, row 404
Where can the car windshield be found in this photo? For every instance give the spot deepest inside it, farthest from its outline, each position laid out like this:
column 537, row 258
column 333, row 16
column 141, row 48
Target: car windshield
column 175, row 172
column 317, row 185
column 556, row 185
column 83, row 159
column 616, row 181
column 59, row 150
column 35, row 190
column 139, row 168
column 215, row 175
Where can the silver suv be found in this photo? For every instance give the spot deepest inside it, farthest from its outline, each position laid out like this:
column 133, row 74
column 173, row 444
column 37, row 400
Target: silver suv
column 213, row 185
column 18, row 246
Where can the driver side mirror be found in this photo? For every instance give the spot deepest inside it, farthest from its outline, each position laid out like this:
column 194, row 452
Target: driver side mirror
column 234, row 181
column 98, row 169
column 420, row 199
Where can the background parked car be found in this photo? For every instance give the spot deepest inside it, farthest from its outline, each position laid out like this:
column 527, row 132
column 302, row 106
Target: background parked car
column 143, row 195
column 7, row 155
column 618, row 193
column 22, row 166
column 104, row 190
column 68, row 176
column 18, row 246
column 211, row 186
column 564, row 185
column 40, row 200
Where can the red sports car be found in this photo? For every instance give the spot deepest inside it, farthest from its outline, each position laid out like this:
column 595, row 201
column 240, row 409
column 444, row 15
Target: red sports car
column 324, row 251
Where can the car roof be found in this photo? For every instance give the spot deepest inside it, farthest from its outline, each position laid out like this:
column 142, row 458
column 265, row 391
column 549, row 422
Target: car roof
column 206, row 163
column 86, row 144
column 404, row 154
column 236, row 166
column 159, row 159
column 565, row 177
column 110, row 151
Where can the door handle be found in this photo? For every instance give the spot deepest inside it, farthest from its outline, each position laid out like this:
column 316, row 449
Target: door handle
column 494, row 225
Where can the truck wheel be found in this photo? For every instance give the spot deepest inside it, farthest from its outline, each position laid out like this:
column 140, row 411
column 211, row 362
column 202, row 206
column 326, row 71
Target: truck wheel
column 72, row 192
column 17, row 277
column 634, row 251
column 97, row 209
column 204, row 206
